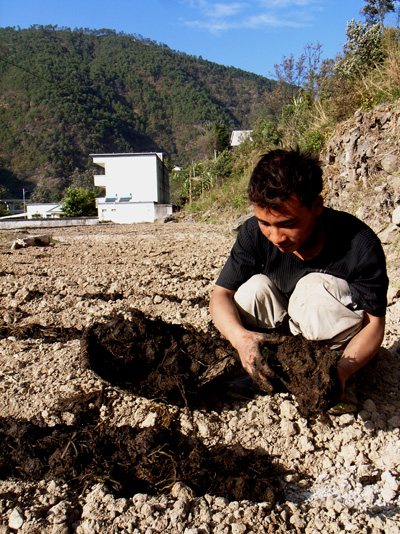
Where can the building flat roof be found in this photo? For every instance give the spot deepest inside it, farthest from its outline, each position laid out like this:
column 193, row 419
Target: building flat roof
column 114, row 154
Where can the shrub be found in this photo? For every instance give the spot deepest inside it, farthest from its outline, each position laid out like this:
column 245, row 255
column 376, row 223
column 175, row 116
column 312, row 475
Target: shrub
column 79, row 202
column 314, row 140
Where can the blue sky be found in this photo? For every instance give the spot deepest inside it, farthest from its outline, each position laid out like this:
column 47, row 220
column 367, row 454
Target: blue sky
column 252, row 35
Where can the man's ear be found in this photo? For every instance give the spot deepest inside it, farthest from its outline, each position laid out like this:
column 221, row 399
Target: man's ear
column 318, row 205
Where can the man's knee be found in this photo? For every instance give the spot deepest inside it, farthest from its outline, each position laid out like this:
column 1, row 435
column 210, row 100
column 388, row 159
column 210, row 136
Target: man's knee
column 321, row 309
column 256, row 287
column 260, row 303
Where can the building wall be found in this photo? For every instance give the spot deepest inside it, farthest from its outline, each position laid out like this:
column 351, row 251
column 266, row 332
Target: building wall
column 130, row 212
column 239, row 136
column 126, row 213
column 163, row 183
column 47, row 223
column 42, row 210
column 129, row 175
column 137, row 187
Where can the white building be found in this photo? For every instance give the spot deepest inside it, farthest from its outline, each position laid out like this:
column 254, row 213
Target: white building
column 44, row 211
column 137, row 187
column 238, row 136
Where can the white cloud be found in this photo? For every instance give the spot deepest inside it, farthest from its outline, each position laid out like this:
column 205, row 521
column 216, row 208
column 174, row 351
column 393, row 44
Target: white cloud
column 216, row 9
column 218, row 17
column 227, row 10
column 213, row 27
column 280, row 4
column 270, row 21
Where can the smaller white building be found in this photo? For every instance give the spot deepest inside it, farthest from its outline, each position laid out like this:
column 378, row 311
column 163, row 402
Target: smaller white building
column 137, row 187
column 238, row 136
column 44, row 211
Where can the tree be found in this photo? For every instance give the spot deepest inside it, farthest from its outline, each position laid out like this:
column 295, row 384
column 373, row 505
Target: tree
column 218, row 168
column 266, row 134
column 363, row 49
column 375, row 10
column 302, row 73
column 79, row 202
column 83, row 179
column 3, row 191
column 3, row 209
column 214, row 139
column 41, row 194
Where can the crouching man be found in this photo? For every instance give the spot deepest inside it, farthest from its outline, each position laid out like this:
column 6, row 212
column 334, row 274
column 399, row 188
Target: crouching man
column 318, row 270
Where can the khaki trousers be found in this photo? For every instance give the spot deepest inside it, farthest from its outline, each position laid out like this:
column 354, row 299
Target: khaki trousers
column 320, row 308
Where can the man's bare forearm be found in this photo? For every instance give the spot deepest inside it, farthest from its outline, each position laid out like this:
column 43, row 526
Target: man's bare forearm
column 362, row 348
column 225, row 316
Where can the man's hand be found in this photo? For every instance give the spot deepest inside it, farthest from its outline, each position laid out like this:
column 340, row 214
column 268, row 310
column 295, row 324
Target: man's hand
column 253, row 361
column 226, row 318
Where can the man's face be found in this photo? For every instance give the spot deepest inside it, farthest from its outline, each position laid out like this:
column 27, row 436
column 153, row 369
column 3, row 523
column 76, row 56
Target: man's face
column 290, row 225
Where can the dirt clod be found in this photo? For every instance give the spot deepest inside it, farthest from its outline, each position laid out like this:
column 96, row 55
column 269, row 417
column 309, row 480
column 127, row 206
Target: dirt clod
column 182, row 366
column 157, row 360
column 132, row 460
column 308, row 371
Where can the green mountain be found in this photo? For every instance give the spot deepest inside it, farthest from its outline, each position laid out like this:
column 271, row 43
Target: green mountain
column 65, row 94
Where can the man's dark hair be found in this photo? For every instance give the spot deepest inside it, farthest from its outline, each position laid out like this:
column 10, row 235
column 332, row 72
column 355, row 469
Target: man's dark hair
column 283, row 173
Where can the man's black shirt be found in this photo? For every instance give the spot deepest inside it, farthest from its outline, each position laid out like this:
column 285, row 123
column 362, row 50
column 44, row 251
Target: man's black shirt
column 351, row 251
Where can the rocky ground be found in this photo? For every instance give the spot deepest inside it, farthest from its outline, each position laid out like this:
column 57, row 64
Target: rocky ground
column 82, row 451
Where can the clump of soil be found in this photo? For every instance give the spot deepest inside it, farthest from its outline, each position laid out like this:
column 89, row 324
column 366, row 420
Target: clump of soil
column 308, row 371
column 182, row 366
column 157, row 360
column 132, row 461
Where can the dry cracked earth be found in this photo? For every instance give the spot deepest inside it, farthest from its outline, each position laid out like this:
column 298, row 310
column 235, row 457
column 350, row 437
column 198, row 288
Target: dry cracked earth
column 116, row 416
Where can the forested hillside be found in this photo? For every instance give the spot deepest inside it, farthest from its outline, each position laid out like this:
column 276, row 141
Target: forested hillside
column 65, row 94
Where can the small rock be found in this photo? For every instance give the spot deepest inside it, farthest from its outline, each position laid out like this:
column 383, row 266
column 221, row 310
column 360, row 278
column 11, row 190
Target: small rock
column 146, row 510
column 305, row 445
column 345, row 419
column 149, row 421
column 157, row 299
column 221, row 502
column 393, row 294
column 390, row 234
column 179, row 511
column 69, row 418
column 203, row 429
column 388, row 494
column 297, row 521
column 24, row 295
column 236, row 226
column 369, row 406
column 59, row 512
column 389, row 481
column 288, row 428
column 62, row 528
column 16, row 519
column 238, row 528
column 390, row 164
column 288, row 410
column 181, row 491
column 396, row 216
column 394, row 421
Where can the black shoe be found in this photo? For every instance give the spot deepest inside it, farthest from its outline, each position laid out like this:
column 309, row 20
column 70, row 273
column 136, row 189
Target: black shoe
column 349, row 402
